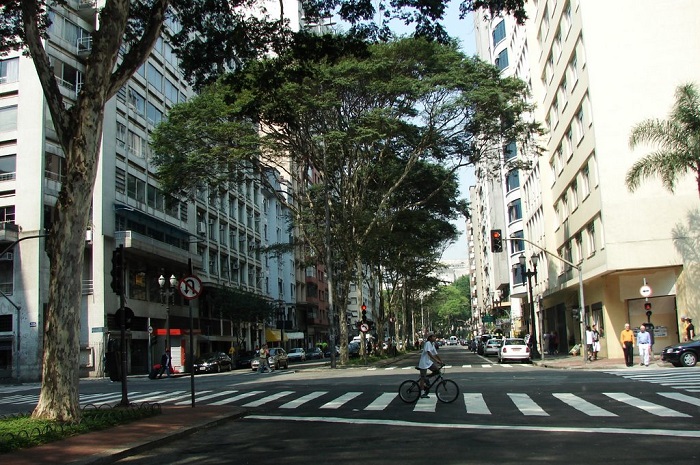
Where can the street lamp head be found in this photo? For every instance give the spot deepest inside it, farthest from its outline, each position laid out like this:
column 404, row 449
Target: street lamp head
column 522, row 259
column 161, row 281
column 173, row 281
column 534, row 258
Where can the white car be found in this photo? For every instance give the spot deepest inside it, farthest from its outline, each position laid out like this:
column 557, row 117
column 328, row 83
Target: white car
column 296, row 355
column 514, row 349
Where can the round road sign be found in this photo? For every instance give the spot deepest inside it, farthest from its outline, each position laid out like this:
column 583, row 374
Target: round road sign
column 190, row 287
column 645, row 291
column 364, row 327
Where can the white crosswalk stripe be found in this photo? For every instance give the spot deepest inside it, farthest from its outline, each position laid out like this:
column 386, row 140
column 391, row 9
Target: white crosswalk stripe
column 582, row 405
column 340, row 401
column 381, row 402
column 526, row 405
column 268, row 399
column 304, row 399
column 475, row 405
column 650, row 407
column 233, row 399
column 427, row 405
column 677, row 378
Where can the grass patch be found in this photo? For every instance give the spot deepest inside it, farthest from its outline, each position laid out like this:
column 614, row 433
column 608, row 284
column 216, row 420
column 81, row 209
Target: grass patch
column 22, row 431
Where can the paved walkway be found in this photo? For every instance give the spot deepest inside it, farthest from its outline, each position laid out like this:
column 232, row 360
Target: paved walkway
column 103, row 447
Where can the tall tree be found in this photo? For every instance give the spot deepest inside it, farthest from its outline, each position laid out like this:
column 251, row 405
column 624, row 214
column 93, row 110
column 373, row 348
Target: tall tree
column 677, row 139
column 213, row 35
column 369, row 119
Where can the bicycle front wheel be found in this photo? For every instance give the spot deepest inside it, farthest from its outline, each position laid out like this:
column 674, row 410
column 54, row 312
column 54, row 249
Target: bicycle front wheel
column 447, row 391
column 409, row 391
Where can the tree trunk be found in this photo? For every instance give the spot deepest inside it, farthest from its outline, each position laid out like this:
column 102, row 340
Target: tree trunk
column 58, row 399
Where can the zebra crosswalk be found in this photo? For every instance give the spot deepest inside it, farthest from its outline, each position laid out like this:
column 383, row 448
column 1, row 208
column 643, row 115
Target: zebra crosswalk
column 688, row 380
column 605, row 404
column 480, row 365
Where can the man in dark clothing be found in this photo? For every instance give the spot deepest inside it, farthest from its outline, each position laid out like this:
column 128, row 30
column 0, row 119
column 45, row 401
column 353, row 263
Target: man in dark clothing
column 165, row 364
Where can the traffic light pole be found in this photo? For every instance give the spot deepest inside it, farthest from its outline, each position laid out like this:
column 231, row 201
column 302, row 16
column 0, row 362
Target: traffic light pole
column 581, row 303
column 122, row 338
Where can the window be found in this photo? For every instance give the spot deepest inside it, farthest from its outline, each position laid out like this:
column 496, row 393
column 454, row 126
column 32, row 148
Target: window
column 512, row 180
column 569, row 143
column 515, row 211
column 7, row 214
column 515, row 245
column 136, row 188
column 135, row 144
column 502, row 60
column 499, row 32
column 121, row 135
column 590, row 239
column 585, row 182
column 155, row 77
column 564, row 207
column 566, row 19
column 153, row 114
column 572, row 69
column 578, row 249
column 137, row 101
column 578, row 122
column 54, row 167
column 8, row 118
column 574, row 195
column 510, row 151
column 9, row 70
column 8, row 165
column 171, row 92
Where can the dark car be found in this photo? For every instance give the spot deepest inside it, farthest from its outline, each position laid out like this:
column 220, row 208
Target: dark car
column 481, row 343
column 683, row 354
column 314, row 354
column 244, row 359
column 213, row 362
column 353, row 349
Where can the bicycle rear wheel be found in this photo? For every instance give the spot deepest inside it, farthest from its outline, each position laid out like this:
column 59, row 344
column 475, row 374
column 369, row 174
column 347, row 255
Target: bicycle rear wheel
column 447, row 391
column 409, row 391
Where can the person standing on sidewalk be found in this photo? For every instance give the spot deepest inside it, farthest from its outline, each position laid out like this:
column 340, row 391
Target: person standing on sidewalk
column 596, row 342
column 627, row 341
column 589, row 342
column 644, row 343
column 689, row 330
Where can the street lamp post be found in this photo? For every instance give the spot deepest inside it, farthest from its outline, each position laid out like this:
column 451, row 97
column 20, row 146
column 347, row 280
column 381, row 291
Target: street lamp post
column 166, row 294
column 530, row 274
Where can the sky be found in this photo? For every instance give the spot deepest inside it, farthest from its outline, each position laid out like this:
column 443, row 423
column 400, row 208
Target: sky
column 464, row 31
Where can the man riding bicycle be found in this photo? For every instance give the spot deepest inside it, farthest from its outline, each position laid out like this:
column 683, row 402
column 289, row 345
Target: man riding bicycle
column 429, row 360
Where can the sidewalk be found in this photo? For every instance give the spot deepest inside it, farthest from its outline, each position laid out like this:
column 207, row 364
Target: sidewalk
column 107, row 446
column 569, row 362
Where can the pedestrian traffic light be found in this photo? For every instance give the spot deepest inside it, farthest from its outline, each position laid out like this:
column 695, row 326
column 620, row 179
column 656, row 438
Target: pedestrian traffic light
column 496, row 241
column 118, row 270
column 364, row 313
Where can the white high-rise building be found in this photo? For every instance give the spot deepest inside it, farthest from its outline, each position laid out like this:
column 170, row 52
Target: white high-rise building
column 595, row 70
column 218, row 237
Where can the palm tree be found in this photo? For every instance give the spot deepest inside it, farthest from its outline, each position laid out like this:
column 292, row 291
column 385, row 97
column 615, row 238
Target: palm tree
column 678, row 141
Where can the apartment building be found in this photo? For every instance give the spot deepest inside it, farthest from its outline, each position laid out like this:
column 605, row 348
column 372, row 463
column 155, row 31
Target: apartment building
column 595, row 70
column 218, row 237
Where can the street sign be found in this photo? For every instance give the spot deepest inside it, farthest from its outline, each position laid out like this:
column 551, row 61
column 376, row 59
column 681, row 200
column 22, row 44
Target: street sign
column 364, row 327
column 645, row 291
column 487, row 319
column 150, row 330
column 99, row 329
column 190, row 287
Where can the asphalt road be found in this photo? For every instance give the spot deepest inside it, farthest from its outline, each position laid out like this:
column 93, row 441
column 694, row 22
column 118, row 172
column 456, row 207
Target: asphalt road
column 505, row 414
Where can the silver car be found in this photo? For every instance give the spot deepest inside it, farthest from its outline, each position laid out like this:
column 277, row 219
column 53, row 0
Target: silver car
column 493, row 346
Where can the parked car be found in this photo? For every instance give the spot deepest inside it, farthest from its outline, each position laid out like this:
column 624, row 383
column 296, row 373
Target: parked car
column 213, row 362
column 492, row 346
column 296, row 355
column 327, row 352
column 314, row 354
column 514, row 349
column 277, row 359
column 481, row 342
column 683, row 354
column 353, row 349
column 245, row 358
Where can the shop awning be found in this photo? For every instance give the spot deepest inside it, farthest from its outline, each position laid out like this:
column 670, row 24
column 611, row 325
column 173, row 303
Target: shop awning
column 272, row 335
column 293, row 335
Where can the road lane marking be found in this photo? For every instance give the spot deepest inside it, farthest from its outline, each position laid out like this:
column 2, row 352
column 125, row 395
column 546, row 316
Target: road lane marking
column 427, row 405
column 457, row 426
column 475, row 404
column 381, row 402
column 199, row 397
column 270, row 398
column 681, row 397
column 582, row 405
column 304, row 399
column 526, row 405
column 340, row 401
column 466, row 366
column 649, row 407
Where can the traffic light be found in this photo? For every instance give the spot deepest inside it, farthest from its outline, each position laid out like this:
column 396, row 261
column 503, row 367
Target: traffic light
column 364, row 313
column 118, row 270
column 647, row 305
column 496, row 241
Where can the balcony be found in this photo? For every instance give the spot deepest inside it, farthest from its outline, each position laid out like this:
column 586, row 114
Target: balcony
column 155, row 248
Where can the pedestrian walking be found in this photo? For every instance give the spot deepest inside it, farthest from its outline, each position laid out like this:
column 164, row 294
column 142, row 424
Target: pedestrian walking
column 644, row 343
column 166, row 362
column 627, row 341
column 264, row 365
column 689, row 330
column 589, row 342
column 596, row 342
column 684, row 328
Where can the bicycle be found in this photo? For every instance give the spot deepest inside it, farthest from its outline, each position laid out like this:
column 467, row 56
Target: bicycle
column 446, row 390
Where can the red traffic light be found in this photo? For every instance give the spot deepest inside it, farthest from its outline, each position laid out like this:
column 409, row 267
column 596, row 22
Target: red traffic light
column 364, row 307
column 647, row 305
column 496, row 241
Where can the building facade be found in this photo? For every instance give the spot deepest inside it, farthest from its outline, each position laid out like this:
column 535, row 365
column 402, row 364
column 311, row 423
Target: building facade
column 595, row 70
